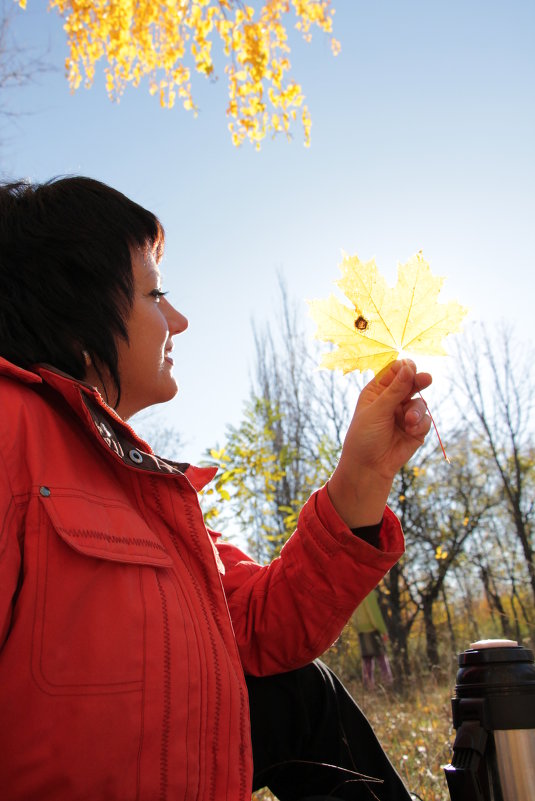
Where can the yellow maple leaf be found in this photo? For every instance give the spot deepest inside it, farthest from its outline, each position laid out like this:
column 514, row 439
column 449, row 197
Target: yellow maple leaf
column 384, row 321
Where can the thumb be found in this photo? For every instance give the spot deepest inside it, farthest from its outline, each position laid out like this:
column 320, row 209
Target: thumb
column 401, row 386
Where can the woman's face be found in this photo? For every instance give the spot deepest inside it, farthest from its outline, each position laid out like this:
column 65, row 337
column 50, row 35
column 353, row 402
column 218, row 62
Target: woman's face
column 145, row 362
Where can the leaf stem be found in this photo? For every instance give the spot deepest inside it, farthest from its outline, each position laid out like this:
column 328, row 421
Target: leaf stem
column 446, row 457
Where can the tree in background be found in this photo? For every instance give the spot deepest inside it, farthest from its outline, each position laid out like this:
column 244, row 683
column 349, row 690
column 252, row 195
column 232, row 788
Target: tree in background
column 496, row 555
column 496, row 393
column 464, row 559
column 288, row 441
column 165, row 441
column 19, row 66
column 244, row 493
column 440, row 505
column 165, row 42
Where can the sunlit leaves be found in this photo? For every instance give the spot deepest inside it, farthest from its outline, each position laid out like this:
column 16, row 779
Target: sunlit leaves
column 253, row 487
column 441, row 553
column 382, row 321
column 250, row 470
column 168, row 41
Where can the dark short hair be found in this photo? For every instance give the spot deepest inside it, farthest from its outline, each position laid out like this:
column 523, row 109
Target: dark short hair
column 66, row 281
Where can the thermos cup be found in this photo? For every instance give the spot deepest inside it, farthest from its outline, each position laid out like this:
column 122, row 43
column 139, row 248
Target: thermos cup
column 494, row 715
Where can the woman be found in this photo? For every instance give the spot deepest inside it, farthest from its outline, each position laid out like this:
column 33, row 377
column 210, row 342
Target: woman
column 126, row 627
column 371, row 629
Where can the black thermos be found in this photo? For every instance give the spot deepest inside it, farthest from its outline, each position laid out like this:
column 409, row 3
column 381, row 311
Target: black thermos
column 494, row 715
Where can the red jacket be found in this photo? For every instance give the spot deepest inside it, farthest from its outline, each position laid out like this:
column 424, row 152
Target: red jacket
column 123, row 639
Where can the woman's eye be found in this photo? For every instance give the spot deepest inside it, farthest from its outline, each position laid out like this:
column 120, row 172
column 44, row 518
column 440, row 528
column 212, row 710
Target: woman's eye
column 157, row 294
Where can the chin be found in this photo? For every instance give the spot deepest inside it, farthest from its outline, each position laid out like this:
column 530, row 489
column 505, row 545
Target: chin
column 171, row 390
column 159, row 392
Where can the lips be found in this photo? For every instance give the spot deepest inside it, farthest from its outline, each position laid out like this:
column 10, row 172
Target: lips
column 167, row 353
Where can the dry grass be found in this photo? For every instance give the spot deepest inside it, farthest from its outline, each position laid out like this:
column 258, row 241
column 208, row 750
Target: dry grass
column 415, row 731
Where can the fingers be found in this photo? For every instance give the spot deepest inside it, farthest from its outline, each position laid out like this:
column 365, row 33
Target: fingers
column 422, row 381
column 417, row 421
column 387, row 375
column 419, row 380
column 401, row 381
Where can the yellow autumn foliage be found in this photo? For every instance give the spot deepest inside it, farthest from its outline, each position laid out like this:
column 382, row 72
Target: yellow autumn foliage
column 165, row 41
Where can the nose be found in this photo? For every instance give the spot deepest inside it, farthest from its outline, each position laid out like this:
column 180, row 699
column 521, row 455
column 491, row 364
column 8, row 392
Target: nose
column 176, row 321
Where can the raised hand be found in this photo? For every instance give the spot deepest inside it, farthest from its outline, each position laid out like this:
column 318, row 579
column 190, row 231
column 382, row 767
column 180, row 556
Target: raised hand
column 388, row 426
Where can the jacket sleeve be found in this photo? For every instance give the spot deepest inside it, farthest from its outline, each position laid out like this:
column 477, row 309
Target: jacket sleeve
column 10, row 557
column 289, row 612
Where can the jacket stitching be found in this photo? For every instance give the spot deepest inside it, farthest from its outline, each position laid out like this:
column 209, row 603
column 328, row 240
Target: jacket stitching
column 217, row 722
column 244, row 720
column 202, row 602
column 166, row 720
column 142, row 721
column 112, row 538
column 155, row 488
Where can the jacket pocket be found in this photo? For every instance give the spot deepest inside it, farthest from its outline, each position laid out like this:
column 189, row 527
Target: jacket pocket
column 89, row 631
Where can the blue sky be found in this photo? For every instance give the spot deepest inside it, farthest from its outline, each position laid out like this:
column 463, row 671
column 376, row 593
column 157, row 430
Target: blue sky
column 423, row 138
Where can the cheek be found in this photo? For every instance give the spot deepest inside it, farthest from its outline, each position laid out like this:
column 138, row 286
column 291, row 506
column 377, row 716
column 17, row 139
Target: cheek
column 152, row 334
column 161, row 328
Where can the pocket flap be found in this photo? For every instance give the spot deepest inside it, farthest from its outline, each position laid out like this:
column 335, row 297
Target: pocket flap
column 105, row 529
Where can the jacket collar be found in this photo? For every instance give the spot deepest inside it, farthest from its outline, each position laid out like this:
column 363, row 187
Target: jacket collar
column 13, row 371
column 103, row 422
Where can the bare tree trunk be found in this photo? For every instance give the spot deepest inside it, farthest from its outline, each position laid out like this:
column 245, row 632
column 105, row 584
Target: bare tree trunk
column 469, row 606
column 495, row 603
column 398, row 631
column 500, row 394
column 453, row 640
column 431, row 638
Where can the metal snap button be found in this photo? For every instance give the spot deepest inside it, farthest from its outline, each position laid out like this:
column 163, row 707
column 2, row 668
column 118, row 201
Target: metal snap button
column 44, row 491
column 135, row 456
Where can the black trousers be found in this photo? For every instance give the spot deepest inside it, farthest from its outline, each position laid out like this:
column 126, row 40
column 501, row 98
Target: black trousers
column 311, row 741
